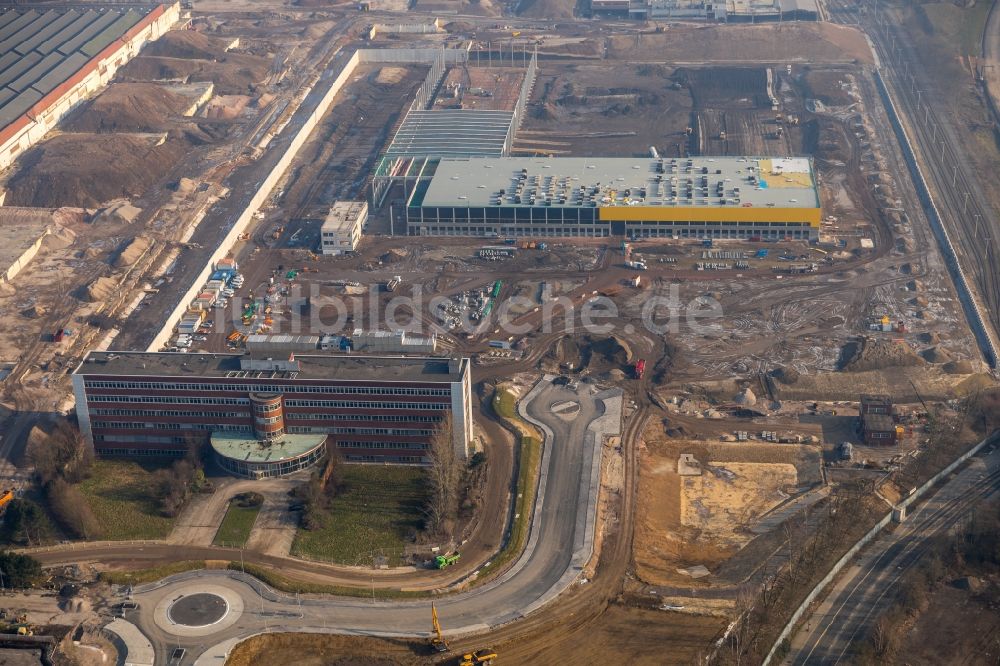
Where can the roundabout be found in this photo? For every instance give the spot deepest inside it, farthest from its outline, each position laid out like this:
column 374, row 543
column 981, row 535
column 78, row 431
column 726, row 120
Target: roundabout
column 198, row 610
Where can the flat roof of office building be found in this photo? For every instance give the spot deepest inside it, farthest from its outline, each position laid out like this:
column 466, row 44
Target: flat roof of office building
column 307, row 367
column 247, row 449
column 344, row 215
column 40, row 49
column 711, row 182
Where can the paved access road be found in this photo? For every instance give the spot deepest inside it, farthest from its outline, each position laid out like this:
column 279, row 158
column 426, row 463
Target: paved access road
column 575, row 421
column 869, row 586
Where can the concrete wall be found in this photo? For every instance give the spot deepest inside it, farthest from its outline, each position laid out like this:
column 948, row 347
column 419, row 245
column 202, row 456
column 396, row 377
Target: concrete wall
column 973, row 312
column 258, row 199
column 367, row 56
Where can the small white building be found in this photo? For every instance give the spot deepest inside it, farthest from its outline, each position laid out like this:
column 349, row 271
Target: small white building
column 341, row 230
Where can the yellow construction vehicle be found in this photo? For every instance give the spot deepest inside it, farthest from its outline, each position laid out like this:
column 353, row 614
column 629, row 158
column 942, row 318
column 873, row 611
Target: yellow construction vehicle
column 437, row 641
column 479, row 658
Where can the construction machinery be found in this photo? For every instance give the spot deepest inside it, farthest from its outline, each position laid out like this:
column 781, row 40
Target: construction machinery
column 479, row 658
column 6, row 497
column 437, row 641
column 442, row 561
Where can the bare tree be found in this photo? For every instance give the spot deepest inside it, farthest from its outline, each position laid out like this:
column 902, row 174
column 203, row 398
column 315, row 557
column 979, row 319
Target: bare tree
column 72, row 510
column 62, row 454
column 445, row 476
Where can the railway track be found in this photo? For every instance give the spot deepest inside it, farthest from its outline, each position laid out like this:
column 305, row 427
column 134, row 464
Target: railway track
column 875, row 585
column 963, row 207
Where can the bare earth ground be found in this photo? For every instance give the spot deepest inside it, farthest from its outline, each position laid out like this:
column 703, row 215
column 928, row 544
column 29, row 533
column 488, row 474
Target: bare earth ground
column 690, row 520
column 783, row 43
column 623, row 635
column 603, row 109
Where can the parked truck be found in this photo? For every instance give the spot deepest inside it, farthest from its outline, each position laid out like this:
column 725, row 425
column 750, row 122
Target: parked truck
column 636, row 265
column 443, row 561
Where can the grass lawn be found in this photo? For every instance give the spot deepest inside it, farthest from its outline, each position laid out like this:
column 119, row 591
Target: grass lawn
column 235, row 528
column 505, row 403
column 118, row 491
column 374, row 514
column 958, row 28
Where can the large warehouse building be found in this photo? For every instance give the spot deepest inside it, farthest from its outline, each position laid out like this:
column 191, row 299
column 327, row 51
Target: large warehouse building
column 701, row 197
column 266, row 417
column 51, row 59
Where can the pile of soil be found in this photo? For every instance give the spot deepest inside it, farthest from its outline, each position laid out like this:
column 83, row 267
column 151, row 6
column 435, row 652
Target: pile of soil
column 786, row 375
column 232, row 74
column 129, row 107
column 187, row 44
column 390, row 75
column 936, row 355
column 876, row 354
column 957, row 367
column 86, row 170
column 100, row 289
column 459, row 26
column 930, row 338
column 132, row 251
column 392, row 256
column 592, row 354
column 117, row 212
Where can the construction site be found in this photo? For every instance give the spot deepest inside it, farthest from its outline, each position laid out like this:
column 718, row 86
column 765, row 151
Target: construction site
column 738, row 249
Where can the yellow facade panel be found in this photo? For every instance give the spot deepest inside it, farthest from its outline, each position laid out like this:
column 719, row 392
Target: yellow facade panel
column 757, row 214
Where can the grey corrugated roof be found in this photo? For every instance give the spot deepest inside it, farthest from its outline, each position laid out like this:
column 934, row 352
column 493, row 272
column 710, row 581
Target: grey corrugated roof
column 22, row 65
column 25, row 32
column 60, row 73
column 13, row 109
column 67, row 33
column 47, row 64
column 100, row 23
column 6, row 94
column 47, row 31
column 8, row 59
column 6, row 16
column 11, row 28
column 41, row 49
column 110, row 34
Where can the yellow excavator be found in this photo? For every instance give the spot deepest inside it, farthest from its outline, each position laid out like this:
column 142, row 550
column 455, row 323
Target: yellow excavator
column 437, row 641
column 479, row 658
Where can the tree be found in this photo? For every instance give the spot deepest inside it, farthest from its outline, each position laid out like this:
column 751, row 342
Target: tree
column 25, row 522
column 444, row 478
column 64, row 454
column 173, row 485
column 314, row 502
column 19, row 571
column 72, row 510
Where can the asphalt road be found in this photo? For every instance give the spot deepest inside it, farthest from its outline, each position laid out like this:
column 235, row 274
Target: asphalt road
column 869, row 586
column 545, row 568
